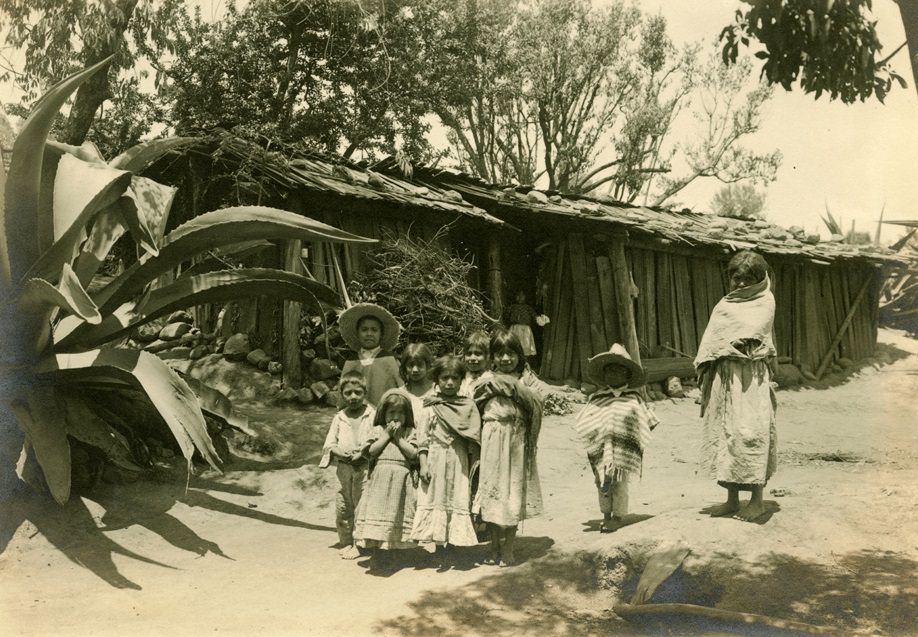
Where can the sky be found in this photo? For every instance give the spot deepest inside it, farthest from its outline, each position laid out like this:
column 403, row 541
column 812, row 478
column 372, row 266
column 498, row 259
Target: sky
column 856, row 158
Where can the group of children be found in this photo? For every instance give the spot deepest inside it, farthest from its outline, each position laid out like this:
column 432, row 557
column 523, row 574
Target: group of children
column 426, row 449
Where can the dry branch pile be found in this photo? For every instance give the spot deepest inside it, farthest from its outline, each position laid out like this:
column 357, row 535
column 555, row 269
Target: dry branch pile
column 426, row 288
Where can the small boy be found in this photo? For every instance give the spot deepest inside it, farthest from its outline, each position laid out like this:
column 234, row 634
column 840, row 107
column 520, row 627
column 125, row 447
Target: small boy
column 371, row 332
column 349, row 429
column 615, row 425
column 476, row 354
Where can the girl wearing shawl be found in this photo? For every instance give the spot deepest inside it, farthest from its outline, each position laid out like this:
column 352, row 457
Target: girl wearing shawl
column 448, row 444
column 508, row 487
column 737, row 401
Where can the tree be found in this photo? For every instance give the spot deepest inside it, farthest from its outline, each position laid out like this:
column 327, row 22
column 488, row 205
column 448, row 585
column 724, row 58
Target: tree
column 549, row 89
column 335, row 75
column 827, row 46
column 61, row 38
column 740, row 201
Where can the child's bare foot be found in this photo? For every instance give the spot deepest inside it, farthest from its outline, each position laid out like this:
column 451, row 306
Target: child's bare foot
column 349, row 553
column 751, row 511
column 726, row 509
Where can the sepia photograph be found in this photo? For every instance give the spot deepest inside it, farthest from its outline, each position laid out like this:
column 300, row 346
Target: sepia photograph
column 431, row 318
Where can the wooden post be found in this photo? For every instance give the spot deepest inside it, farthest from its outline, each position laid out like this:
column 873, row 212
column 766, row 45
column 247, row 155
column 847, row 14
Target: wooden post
column 290, row 333
column 622, row 277
column 843, row 327
column 495, row 282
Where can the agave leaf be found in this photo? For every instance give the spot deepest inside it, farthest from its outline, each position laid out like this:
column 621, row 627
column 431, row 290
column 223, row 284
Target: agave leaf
column 212, row 230
column 21, row 219
column 171, row 395
column 216, row 403
column 43, row 422
column 87, row 151
column 137, row 158
column 81, row 190
column 212, row 287
column 38, row 296
column 217, row 259
column 86, row 426
column 136, row 222
column 107, row 228
column 54, row 150
column 153, row 201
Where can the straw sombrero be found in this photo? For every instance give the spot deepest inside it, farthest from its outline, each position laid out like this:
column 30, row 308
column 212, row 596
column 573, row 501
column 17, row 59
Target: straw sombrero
column 617, row 355
column 350, row 317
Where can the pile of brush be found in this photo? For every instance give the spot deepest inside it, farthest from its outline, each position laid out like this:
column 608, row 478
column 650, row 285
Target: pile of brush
column 426, row 288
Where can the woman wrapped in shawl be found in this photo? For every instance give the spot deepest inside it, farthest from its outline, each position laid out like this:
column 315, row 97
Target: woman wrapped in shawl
column 734, row 365
column 448, row 445
column 511, row 415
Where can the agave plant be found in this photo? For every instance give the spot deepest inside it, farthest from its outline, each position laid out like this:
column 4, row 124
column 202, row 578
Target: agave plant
column 64, row 208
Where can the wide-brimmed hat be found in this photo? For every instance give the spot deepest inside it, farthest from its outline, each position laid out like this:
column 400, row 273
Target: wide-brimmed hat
column 350, row 317
column 617, row 355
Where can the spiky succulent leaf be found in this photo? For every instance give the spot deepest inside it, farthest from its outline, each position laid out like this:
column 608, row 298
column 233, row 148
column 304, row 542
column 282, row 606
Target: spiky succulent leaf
column 211, row 287
column 171, row 396
column 212, row 230
column 39, row 296
column 21, row 221
column 137, row 158
column 42, row 419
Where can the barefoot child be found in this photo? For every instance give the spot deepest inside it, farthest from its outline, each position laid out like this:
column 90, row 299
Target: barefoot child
column 415, row 367
column 522, row 317
column 477, row 358
column 509, row 490
column 386, row 510
column 737, row 401
column 615, row 425
column 371, row 332
column 448, row 444
column 350, row 427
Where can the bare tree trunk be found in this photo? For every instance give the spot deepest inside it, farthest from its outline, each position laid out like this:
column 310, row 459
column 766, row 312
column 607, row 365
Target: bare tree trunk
column 94, row 92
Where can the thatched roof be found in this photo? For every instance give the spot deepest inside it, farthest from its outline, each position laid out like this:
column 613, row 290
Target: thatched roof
column 683, row 228
column 335, row 176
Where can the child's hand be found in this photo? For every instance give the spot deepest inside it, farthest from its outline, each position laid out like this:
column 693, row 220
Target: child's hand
column 394, row 429
column 356, row 455
column 425, row 474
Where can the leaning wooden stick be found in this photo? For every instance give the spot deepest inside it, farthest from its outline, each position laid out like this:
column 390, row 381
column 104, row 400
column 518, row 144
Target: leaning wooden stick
column 843, row 328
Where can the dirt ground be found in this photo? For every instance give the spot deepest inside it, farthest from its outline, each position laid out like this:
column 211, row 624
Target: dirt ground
column 249, row 551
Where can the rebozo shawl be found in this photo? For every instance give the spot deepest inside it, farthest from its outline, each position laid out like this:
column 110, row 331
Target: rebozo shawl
column 459, row 413
column 617, row 429
column 742, row 315
column 510, row 387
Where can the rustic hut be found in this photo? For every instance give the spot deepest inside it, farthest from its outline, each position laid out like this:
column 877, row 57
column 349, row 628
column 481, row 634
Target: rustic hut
column 649, row 278
column 225, row 170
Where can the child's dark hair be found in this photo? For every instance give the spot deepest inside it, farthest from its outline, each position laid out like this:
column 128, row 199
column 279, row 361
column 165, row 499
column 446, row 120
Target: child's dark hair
column 352, row 378
column 748, row 263
column 505, row 339
column 448, row 364
column 394, row 399
column 478, row 339
column 415, row 352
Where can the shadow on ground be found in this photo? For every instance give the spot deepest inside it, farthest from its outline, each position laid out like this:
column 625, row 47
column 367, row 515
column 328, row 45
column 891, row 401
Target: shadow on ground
column 867, row 591
column 74, row 530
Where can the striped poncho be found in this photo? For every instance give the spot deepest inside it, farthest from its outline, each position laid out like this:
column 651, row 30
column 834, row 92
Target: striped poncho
column 615, row 427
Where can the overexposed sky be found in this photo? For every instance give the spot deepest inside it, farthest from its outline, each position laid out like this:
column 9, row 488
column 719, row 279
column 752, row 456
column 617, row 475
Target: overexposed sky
column 854, row 157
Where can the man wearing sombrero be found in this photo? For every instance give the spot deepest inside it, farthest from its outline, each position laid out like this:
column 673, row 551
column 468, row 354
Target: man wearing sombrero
column 615, row 425
column 371, row 333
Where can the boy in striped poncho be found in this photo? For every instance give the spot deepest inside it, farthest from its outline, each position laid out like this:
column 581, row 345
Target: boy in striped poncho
column 615, row 426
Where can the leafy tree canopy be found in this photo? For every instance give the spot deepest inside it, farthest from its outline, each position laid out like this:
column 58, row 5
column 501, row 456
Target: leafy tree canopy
column 826, row 46
column 740, row 201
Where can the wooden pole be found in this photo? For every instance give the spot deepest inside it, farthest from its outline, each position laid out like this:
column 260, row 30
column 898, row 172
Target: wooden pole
column 621, row 274
column 843, row 327
column 290, row 333
column 495, row 281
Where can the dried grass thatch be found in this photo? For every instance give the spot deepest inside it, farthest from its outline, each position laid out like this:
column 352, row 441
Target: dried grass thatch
column 426, row 288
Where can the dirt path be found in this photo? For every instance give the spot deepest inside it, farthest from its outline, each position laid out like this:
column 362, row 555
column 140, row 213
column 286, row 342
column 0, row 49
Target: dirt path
column 249, row 552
